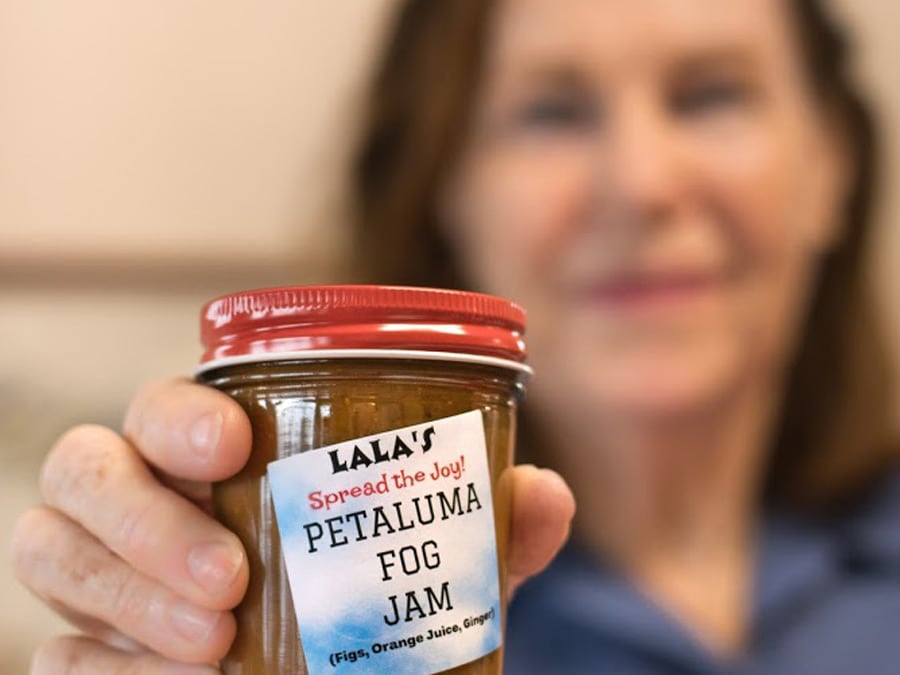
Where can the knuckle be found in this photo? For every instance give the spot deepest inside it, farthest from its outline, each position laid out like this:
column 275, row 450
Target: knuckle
column 79, row 462
column 129, row 600
column 141, row 665
column 135, row 412
column 134, row 530
column 25, row 544
column 56, row 656
column 146, row 397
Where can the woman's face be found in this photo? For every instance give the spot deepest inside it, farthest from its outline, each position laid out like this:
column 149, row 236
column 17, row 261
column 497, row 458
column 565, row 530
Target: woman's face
column 653, row 181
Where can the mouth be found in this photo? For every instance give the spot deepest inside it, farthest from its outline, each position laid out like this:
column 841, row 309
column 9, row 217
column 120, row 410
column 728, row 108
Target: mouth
column 648, row 291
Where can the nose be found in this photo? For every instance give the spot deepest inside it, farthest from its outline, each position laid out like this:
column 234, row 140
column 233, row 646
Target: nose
column 642, row 178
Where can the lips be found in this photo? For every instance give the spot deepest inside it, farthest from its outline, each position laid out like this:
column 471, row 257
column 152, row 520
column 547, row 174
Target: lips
column 645, row 290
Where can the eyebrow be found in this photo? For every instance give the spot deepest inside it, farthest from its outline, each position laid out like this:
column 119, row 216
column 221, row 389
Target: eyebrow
column 562, row 76
column 729, row 57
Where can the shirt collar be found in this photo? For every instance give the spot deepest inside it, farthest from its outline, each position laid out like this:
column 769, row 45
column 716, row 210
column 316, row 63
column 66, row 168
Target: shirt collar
column 598, row 597
column 871, row 533
column 799, row 559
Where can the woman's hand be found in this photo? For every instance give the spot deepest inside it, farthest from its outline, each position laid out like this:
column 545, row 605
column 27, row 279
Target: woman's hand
column 125, row 547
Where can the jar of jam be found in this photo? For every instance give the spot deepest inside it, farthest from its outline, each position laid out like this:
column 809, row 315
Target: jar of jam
column 374, row 506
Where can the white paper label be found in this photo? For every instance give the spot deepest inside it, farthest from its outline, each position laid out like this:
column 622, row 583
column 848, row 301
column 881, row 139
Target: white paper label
column 390, row 549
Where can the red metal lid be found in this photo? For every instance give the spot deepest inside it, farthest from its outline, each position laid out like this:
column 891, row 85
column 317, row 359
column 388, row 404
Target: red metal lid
column 258, row 325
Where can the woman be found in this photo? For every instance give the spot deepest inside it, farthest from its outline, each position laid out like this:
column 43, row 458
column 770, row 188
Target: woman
column 678, row 194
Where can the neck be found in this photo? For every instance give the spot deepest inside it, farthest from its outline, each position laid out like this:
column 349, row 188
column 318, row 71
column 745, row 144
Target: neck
column 672, row 502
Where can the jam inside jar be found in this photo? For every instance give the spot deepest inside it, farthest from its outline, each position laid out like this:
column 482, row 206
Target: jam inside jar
column 374, row 507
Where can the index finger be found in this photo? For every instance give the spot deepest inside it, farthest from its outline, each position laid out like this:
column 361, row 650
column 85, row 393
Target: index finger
column 188, row 430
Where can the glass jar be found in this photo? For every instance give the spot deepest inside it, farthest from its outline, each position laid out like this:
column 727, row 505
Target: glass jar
column 373, row 508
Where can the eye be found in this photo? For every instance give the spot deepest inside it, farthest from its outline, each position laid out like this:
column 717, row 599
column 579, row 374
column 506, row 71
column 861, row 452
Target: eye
column 710, row 96
column 558, row 112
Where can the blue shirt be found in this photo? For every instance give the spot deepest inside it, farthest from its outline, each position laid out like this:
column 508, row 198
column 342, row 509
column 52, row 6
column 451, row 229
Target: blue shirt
column 826, row 602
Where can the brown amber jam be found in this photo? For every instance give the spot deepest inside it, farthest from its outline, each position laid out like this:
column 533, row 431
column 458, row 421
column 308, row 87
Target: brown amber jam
column 373, row 508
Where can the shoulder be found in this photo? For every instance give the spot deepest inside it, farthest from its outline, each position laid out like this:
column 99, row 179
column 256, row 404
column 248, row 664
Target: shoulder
column 581, row 616
column 871, row 531
column 829, row 601
column 826, row 600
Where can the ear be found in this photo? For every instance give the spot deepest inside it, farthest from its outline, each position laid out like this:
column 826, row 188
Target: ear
column 833, row 162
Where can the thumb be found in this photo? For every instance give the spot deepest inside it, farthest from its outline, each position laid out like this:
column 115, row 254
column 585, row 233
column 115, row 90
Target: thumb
column 542, row 511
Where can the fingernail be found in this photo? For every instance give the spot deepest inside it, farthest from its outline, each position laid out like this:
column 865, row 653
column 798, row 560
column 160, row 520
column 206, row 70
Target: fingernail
column 194, row 624
column 214, row 565
column 205, row 433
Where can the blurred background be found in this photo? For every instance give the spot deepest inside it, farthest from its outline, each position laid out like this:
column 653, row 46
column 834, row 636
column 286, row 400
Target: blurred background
column 156, row 154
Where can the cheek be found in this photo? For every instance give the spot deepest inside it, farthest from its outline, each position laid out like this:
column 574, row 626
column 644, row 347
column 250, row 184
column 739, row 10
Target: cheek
column 512, row 215
column 753, row 203
column 770, row 187
column 751, row 193
column 765, row 193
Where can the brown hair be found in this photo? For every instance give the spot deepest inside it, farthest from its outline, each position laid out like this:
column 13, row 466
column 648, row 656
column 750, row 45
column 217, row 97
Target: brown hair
column 836, row 419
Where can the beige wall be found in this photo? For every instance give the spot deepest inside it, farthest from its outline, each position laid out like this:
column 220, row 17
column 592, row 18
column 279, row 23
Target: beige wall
column 155, row 152
column 193, row 130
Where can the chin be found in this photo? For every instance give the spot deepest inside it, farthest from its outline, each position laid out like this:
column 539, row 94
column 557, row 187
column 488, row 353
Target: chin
column 663, row 381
